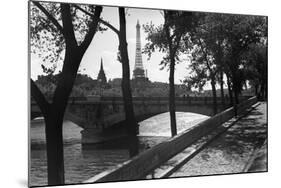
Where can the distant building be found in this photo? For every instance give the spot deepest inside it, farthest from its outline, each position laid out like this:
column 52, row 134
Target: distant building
column 115, row 82
column 101, row 76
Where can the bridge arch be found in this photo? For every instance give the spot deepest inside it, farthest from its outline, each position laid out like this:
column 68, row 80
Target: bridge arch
column 159, row 125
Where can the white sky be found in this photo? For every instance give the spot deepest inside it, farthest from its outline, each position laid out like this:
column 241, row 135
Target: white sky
column 105, row 45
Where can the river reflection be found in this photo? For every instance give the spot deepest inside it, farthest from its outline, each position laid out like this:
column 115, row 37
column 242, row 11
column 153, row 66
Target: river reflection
column 84, row 163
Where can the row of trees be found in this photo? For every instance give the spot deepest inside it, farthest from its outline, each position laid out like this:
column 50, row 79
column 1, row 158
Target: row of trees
column 226, row 46
column 220, row 45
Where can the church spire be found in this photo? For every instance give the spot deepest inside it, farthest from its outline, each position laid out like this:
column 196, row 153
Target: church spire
column 101, row 76
column 101, row 65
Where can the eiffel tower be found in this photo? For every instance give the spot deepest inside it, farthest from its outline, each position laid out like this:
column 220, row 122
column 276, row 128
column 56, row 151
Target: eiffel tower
column 138, row 73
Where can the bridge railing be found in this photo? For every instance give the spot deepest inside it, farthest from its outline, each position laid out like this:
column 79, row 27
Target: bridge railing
column 106, row 98
column 84, row 108
column 208, row 99
column 141, row 165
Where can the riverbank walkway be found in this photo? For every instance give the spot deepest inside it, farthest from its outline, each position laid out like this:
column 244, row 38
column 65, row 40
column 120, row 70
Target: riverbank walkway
column 240, row 145
column 241, row 148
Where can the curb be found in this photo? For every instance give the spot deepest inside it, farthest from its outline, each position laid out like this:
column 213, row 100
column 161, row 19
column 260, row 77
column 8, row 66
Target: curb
column 255, row 163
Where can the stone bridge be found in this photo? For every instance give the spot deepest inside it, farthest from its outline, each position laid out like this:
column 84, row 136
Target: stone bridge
column 99, row 115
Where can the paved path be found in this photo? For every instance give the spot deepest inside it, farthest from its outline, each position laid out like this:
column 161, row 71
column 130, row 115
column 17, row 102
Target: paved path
column 235, row 151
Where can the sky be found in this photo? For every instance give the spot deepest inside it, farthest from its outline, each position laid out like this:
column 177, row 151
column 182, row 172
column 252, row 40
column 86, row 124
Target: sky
column 105, row 45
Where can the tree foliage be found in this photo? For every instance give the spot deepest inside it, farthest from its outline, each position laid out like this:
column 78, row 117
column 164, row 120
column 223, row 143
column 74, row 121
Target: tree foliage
column 255, row 68
column 47, row 39
column 177, row 24
column 241, row 32
column 222, row 44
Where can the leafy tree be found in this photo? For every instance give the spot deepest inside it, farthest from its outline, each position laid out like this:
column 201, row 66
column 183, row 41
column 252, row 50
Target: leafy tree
column 240, row 31
column 203, row 63
column 220, row 41
column 216, row 41
column 168, row 38
column 57, row 31
column 255, row 60
column 207, row 54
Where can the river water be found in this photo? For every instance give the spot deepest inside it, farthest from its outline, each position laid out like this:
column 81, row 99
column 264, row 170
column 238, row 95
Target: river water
column 82, row 164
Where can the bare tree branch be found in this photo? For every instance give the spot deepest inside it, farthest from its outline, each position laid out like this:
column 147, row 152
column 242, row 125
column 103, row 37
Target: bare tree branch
column 110, row 26
column 53, row 20
column 93, row 28
column 101, row 20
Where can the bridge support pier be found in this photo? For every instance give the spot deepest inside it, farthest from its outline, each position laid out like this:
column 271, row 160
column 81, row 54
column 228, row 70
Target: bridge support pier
column 90, row 136
column 97, row 136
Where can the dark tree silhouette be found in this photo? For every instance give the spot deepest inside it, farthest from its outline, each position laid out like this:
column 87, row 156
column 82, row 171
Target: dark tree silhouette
column 64, row 39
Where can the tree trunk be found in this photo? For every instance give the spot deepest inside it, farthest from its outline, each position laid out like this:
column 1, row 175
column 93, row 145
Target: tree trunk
column 132, row 126
column 54, row 114
column 55, row 156
column 172, row 98
column 54, row 142
column 256, row 89
column 133, row 145
column 172, row 53
column 54, row 123
column 221, row 86
column 53, row 133
column 236, row 102
column 213, row 83
column 229, row 90
column 236, row 92
column 265, row 90
column 236, row 99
